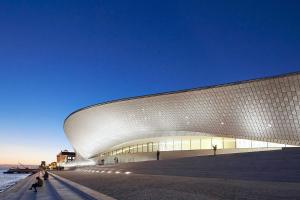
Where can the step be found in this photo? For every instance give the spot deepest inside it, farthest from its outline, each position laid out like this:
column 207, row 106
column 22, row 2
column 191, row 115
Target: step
column 55, row 188
column 61, row 191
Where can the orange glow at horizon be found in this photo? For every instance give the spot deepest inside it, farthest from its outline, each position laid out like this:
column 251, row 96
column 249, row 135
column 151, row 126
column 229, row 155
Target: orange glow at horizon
column 33, row 155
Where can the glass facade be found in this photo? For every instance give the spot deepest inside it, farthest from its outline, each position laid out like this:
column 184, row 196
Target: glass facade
column 218, row 141
column 195, row 144
column 240, row 143
column 186, row 143
column 206, row 143
column 229, row 143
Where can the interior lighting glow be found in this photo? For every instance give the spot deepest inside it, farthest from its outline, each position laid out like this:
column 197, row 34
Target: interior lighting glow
column 117, row 172
column 109, row 172
column 127, row 172
column 102, row 171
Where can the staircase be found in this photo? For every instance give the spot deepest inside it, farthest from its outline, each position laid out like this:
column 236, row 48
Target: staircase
column 55, row 188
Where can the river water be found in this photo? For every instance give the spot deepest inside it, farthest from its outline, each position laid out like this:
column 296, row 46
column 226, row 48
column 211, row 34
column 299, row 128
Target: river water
column 7, row 180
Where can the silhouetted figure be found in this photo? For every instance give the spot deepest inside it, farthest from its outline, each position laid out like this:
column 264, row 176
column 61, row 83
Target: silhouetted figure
column 38, row 183
column 116, row 160
column 157, row 155
column 46, row 175
column 215, row 149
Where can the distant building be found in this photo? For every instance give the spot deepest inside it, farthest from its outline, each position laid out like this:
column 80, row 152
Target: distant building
column 64, row 157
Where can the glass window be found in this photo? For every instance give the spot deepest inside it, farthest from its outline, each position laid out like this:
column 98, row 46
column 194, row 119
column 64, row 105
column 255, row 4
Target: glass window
column 259, row 144
column 270, row 144
column 150, row 147
column 126, row 150
column 155, row 146
column 206, row 143
column 195, row 144
column 229, row 143
column 131, row 149
column 287, row 145
column 169, row 145
column 217, row 141
column 135, row 149
column 177, row 145
column 145, row 148
column 140, row 148
column 241, row 143
column 186, row 144
column 162, row 146
column 119, row 151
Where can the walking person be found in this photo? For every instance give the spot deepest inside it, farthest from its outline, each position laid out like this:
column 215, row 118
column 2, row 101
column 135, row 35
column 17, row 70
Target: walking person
column 157, row 155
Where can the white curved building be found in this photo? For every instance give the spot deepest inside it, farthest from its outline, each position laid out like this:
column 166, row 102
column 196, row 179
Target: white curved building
column 248, row 114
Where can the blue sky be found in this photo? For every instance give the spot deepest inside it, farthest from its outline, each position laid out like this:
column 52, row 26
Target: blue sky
column 58, row 56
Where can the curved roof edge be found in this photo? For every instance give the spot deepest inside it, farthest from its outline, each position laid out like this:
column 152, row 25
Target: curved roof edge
column 182, row 91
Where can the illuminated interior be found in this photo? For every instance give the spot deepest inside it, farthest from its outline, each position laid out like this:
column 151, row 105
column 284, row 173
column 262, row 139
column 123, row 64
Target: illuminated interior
column 186, row 143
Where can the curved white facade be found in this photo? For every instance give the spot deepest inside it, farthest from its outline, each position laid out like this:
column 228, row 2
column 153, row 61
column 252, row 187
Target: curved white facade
column 264, row 109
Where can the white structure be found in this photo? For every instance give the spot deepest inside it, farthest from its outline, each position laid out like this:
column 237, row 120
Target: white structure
column 264, row 110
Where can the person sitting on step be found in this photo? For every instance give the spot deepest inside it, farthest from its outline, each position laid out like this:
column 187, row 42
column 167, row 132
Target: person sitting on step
column 38, row 183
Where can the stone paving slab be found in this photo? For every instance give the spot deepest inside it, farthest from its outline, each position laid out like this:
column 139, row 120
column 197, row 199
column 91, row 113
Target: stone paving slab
column 142, row 186
column 277, row 166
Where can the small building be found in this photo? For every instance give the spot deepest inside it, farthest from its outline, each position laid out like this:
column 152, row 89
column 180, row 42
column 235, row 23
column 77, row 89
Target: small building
column 64, row 157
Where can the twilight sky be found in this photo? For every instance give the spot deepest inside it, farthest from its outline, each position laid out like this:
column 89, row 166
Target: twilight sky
column 58, row 56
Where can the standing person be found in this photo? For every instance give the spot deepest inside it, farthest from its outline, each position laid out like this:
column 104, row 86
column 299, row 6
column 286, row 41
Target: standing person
column 157, row 155
column 215, row 149
column 38, row 183
column 116, row 160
